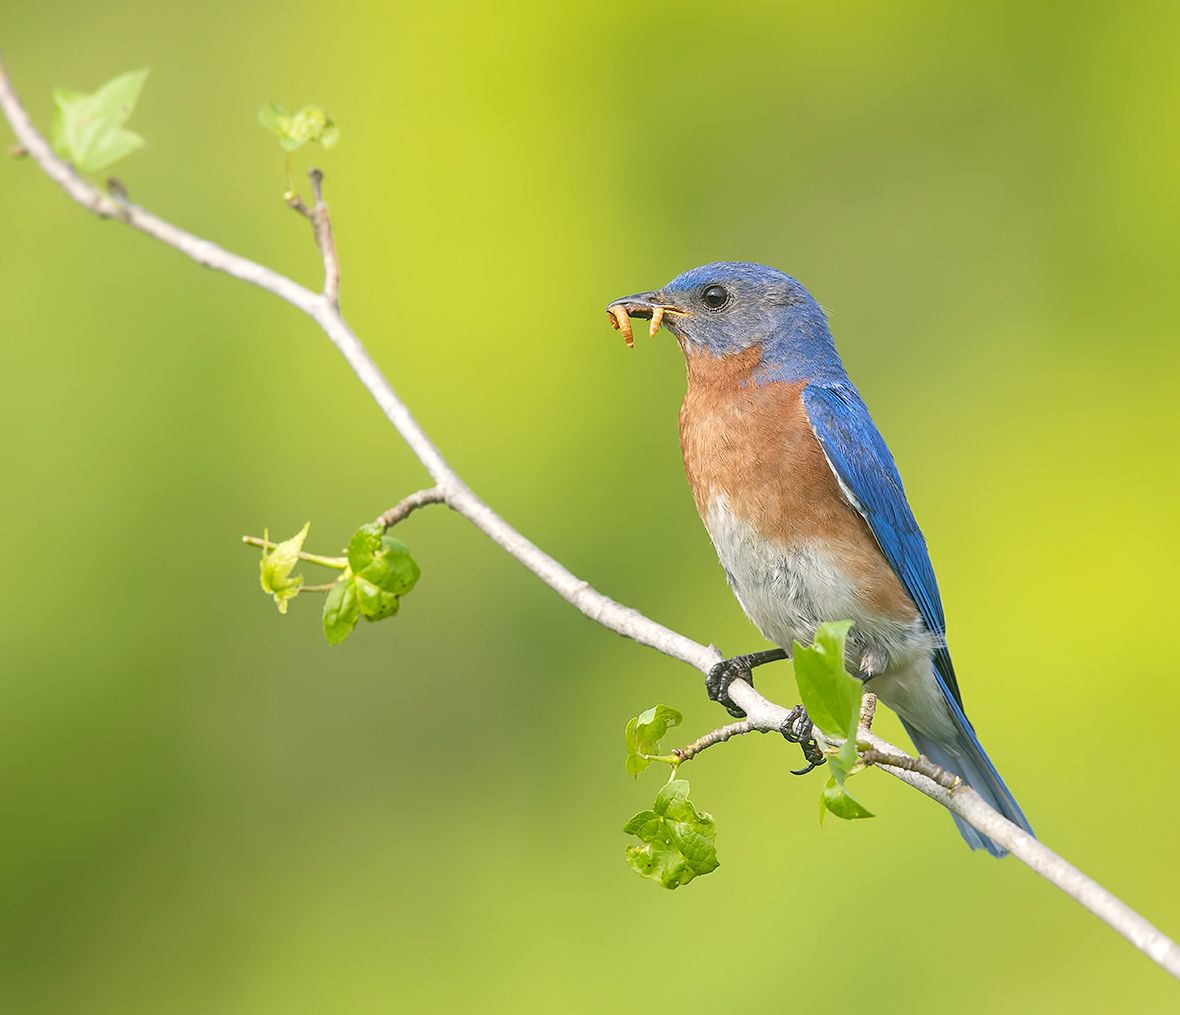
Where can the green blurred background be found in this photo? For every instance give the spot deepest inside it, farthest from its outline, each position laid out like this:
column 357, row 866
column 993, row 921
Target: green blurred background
column 207, row 809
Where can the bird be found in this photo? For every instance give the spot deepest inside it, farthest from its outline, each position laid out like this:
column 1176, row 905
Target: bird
column 805, row 506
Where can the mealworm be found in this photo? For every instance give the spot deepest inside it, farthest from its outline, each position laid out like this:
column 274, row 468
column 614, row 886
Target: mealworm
column 657, row 318
column 622, row 321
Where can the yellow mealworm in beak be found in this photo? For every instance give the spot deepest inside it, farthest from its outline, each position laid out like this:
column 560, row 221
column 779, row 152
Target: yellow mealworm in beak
column 657, row 318
column 623, row 323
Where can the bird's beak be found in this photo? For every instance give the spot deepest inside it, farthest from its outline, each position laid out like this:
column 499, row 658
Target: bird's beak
column 649, row 305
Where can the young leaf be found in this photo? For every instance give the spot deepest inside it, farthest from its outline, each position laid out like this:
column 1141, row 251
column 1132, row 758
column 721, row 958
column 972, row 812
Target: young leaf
column 675, row 839
column 341, row 611
column 88, row 129
column 274, row 570
column 830, row 693
column 309, row 124
column 840, row 802
column 644, row 733
column 380, row 571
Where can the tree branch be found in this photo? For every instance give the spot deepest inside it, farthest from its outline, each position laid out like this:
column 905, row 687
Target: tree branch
column 321, row 225
column 407, row 505
column 762, row 714
column 717, row 736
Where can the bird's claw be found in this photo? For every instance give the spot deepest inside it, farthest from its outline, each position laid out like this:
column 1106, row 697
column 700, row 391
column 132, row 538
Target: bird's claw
column 718, row 679
column 797, row 729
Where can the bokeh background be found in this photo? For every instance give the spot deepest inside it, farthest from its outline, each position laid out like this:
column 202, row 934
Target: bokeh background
column 207, row 809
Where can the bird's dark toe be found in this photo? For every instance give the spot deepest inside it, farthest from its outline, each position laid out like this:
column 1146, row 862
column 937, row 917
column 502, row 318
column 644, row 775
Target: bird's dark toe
column 717, row 683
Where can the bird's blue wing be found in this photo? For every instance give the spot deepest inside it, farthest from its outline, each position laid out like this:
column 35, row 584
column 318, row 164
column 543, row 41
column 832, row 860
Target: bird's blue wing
column 861, row 460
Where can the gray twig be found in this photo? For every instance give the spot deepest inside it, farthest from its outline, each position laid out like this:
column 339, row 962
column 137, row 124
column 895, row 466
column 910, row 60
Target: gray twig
column 921, row 764
column 410, row 504
column 717, row 736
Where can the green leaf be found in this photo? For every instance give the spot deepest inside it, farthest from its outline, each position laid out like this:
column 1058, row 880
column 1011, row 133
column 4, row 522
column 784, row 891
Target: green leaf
column 380, row 571
column 675, row 839
column 274, row 570
column 830, row 693
column 88, row 129
column 341, row 611
column 307, row 125
column 840, row 802
column 644, row 733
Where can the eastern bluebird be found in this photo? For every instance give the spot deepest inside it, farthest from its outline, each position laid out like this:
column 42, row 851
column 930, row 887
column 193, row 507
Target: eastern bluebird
column 804, row 505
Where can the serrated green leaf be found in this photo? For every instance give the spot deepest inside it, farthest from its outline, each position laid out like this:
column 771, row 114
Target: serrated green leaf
column 88, row 128
column 341, row 611
column 274, row 570
column 840, row 802
column 830, row 693
column 307, row 125
column 676, row 840
column 644, row 733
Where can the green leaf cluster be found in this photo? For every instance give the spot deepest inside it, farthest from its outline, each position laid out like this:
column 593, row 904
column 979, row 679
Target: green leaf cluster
column 274, row 571
column 309, row 125
column 380, row 571
column 88, row 129
column 832, row 697
column 644, row 733
column 675, row 839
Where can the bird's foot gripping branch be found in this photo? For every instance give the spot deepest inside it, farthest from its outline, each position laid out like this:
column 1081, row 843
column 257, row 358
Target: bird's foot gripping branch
column 90, row 138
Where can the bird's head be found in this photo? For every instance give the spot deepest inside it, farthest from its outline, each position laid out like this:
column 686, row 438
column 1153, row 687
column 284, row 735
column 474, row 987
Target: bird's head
column 728, row 307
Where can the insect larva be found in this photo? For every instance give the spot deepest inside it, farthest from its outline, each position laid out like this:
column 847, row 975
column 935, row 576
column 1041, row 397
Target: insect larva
column 622, row 321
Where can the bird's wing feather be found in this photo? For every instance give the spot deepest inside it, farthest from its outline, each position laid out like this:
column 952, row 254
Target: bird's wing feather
column 861, row 461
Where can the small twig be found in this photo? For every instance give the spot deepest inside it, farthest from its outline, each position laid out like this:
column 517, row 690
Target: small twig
column 337, row 563
column 18, row 151
column 322, row 224
column 326, row 587
column 868, row 709
column 410, row 504
column 717, row 736
column 921, row 764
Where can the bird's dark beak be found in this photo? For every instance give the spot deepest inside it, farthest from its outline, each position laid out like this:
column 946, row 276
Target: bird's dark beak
column 647, row 305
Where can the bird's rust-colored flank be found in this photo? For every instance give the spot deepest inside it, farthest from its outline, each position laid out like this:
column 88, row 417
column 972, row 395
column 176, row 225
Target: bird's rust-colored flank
column 753, row 444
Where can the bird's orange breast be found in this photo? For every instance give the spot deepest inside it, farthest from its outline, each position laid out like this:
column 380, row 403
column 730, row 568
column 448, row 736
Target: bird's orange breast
column 753, row 444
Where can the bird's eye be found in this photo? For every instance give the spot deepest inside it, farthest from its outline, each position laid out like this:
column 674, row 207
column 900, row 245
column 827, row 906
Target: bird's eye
column 715, row 297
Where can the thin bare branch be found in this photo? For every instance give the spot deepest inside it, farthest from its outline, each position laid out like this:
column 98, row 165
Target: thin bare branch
column 921, row 764
column 717, row 736
column 321, row 224
column 762, row 714
column 410, row 504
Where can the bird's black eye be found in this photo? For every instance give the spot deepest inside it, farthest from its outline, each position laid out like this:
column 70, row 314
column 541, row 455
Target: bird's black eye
column 715, row 297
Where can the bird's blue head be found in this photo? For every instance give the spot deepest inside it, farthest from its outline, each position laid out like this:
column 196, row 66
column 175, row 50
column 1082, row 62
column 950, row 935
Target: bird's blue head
column 729, row 307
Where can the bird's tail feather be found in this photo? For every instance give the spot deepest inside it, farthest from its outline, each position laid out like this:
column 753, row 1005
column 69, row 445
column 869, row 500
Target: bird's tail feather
column 966, row 758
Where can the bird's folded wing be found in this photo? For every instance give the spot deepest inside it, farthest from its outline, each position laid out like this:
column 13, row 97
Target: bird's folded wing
column 859, row 457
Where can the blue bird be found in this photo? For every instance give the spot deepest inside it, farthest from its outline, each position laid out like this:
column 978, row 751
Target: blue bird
column 805, row 506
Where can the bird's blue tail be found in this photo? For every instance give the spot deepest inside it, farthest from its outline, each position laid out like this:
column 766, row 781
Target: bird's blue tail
column 966, row 757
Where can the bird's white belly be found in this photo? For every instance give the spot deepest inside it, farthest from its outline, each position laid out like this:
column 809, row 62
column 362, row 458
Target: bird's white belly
column 788, row 591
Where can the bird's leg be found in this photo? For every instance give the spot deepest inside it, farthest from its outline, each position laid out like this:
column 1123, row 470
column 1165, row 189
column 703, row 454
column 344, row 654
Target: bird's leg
column 728, row 670
column 796, row 728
